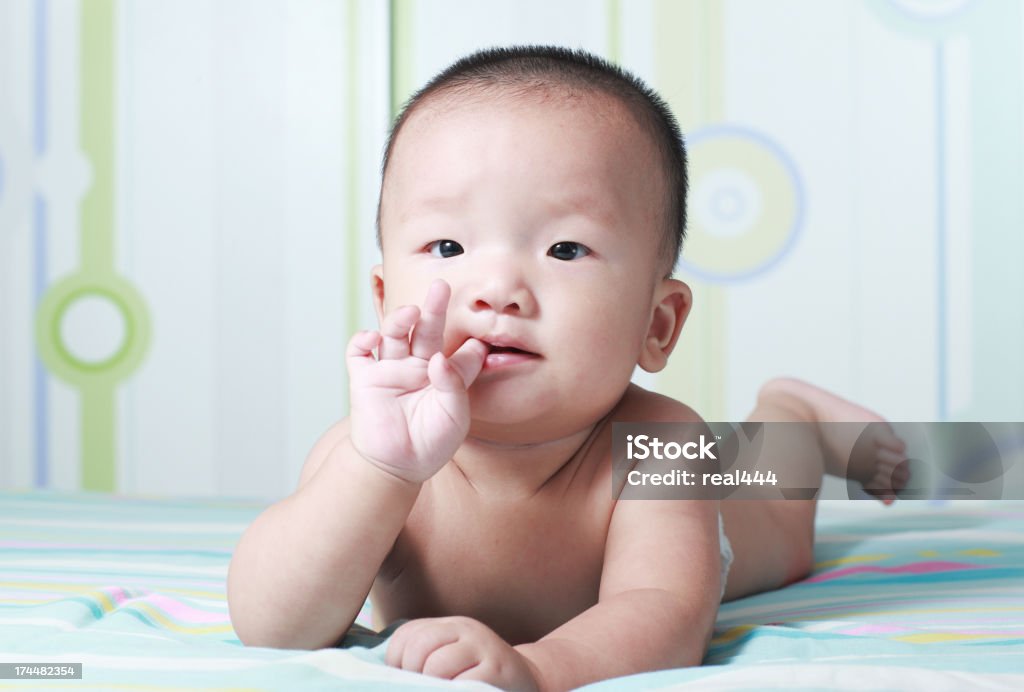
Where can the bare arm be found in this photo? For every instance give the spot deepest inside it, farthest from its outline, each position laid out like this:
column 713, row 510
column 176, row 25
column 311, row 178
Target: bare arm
column 659, row 596
column 303, row 569
column 660, row 586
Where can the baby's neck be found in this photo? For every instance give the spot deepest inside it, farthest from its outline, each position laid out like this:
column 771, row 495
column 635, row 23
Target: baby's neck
column 517, row 469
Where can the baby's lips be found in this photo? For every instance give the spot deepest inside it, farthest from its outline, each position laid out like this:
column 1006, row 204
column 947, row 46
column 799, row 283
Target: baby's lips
column 502, row 343
column 493, row 344
column 502, row 350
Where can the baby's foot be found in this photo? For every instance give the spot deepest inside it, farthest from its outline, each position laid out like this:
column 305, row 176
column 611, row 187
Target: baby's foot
column 873, row 454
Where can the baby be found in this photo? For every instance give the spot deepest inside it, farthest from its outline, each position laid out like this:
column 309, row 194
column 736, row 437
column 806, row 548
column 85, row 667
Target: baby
column 531, row 212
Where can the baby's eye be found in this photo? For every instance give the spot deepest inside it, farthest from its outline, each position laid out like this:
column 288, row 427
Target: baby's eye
column 445, row 248
column 568, row 250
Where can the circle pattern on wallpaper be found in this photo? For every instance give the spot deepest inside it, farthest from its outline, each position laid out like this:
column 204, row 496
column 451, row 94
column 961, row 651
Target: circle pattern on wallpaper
column 746, row 204
column 726, row 202
column 932, row 9
column 15, row 176
column 93, row 329
column 932, row 19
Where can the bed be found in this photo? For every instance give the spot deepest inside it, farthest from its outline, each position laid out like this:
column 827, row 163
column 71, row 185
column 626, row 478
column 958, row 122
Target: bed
column 913, row 596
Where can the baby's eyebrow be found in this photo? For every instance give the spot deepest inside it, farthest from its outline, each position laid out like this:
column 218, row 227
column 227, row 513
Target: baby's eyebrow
column 585, row 205
column 437, row 203
column 600, row 213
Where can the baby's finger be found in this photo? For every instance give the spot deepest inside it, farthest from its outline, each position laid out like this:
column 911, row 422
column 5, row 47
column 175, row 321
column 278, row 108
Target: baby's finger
column 360, row 349
column 395, row 332
column 890, row 458
column 451, row 661
column 443, row 376
column 887, row 438
column 428, row 337
column 455, row 374
column 410, row 648
column 468, row 360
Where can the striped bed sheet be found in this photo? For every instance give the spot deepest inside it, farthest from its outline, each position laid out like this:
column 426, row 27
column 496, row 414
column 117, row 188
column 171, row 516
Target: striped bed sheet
column 916, row 595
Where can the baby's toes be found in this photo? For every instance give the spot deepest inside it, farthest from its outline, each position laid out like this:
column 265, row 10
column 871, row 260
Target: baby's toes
column 885, row 495
column 889, row 459
column 886, row 438
column 889, row 477
column 901, row 476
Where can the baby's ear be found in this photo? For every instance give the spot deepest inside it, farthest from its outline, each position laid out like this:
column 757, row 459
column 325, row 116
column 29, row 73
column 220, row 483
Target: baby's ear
column 672, row 301
column 377, row 286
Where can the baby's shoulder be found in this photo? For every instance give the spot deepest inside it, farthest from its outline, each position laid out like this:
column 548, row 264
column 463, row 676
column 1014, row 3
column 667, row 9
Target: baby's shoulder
column 642, row 406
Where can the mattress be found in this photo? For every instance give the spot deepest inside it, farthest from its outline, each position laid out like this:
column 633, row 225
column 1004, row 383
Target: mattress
column 915, row 595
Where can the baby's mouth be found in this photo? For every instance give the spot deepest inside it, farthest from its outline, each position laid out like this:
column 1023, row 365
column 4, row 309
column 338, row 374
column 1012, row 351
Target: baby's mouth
column 506, row 353
column 491, row 348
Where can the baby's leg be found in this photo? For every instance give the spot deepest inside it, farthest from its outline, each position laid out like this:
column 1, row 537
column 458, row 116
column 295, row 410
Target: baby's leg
column 773, row 540
column 870, row 454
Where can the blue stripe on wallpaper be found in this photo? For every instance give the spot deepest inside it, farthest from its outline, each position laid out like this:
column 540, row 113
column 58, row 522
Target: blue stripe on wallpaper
column 940, row 230
column 39, row 88
column 42, row 423
column 39, row 228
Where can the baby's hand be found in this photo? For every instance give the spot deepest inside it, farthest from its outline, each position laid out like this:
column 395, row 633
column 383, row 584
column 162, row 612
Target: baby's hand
column 459, row 648
column 409, row 406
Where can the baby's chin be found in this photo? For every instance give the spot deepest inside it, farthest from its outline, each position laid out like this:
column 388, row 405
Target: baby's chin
column 502, row 413
column 522, row 418
column 497, row 405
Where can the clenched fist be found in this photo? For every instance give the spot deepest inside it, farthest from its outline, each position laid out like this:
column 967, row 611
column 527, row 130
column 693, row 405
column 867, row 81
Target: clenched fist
column 459, row 648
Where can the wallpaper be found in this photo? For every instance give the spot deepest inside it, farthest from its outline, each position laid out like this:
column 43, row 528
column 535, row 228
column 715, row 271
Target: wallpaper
column 188, row 192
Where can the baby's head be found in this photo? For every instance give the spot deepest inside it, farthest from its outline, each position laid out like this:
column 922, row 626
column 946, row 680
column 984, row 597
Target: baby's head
column 548, row 189
column 551, row 74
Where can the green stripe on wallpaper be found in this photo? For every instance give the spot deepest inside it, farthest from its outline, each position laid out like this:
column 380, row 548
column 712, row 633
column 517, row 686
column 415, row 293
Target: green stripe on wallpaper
column 97, row 133
column 688, row 39
column 401, row 42
column 95, row 280
column 614, row 38
column 714, row 84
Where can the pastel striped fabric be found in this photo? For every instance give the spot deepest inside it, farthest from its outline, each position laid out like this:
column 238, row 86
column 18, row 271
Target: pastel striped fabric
column 910, row 596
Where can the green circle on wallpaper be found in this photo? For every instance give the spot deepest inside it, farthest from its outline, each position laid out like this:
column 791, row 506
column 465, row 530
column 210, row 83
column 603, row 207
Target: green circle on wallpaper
column 115, row 297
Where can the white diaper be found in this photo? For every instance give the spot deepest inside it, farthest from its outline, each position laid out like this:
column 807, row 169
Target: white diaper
column 725, row 548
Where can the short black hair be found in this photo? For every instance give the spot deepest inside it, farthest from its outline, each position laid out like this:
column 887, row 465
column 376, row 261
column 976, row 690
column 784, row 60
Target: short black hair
column 523, row 69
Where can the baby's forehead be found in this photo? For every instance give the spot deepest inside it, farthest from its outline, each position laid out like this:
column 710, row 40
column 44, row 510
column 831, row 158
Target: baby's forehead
column 440, row 123
column 525, row 103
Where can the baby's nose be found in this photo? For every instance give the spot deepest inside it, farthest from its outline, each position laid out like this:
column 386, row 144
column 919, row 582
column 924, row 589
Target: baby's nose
column 504, row 293
column 496, row 305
